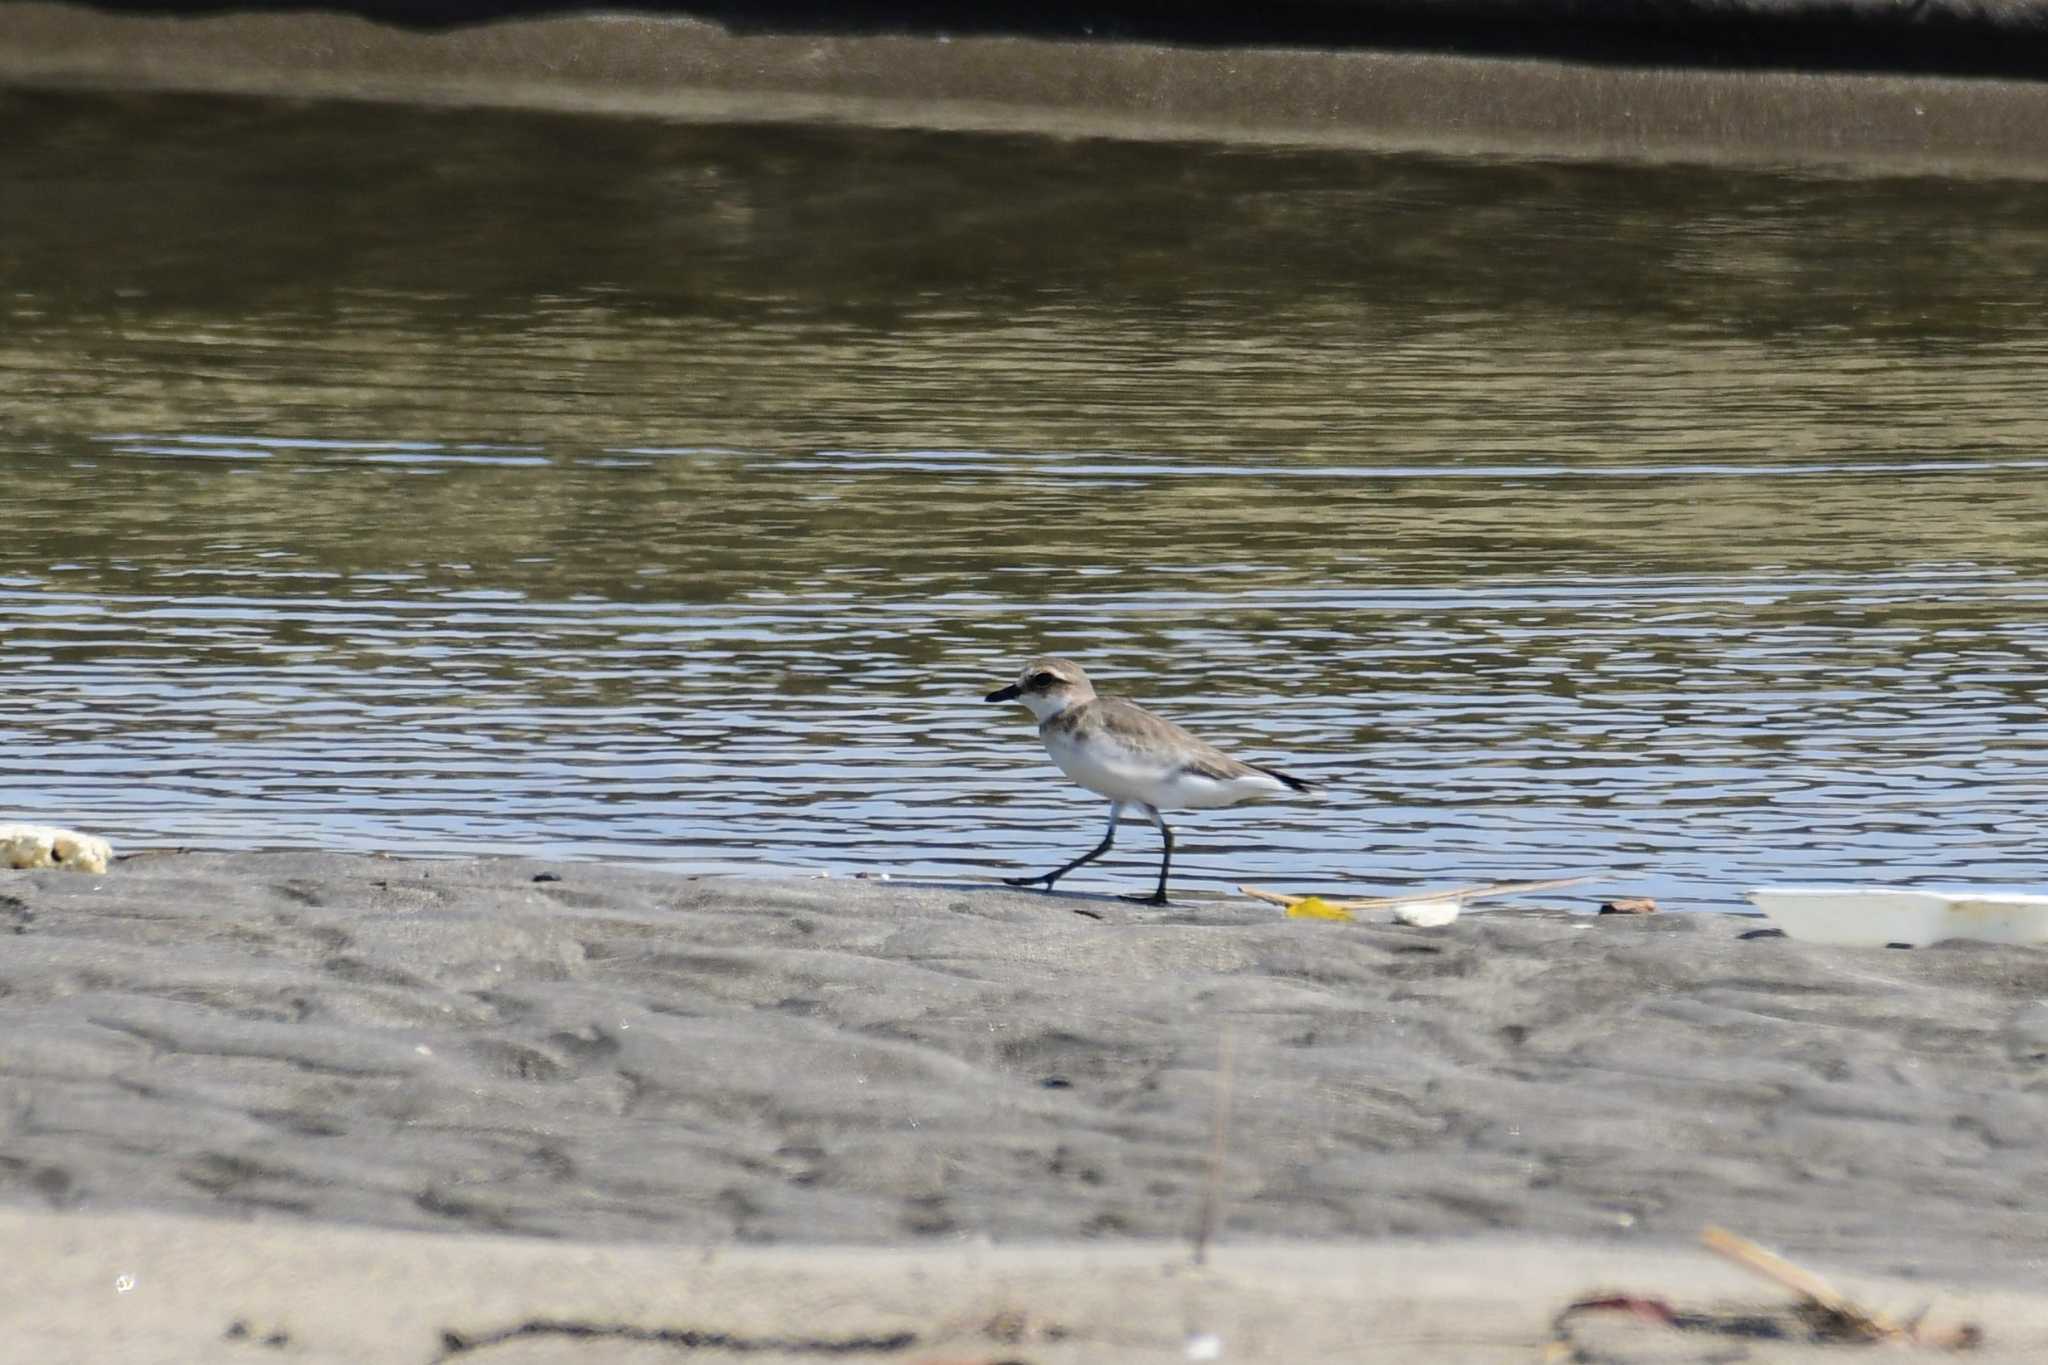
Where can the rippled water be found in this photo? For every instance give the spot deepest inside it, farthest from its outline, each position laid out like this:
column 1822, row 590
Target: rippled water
column 433, row 481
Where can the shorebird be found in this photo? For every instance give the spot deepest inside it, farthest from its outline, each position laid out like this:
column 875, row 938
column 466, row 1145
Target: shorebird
column 1120, row 750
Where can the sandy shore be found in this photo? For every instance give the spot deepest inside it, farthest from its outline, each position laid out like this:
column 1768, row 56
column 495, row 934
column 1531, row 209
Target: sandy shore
column 283, row 1070
column 150, row 1288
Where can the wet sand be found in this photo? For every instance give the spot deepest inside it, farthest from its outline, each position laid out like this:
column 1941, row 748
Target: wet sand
column 610, row 1055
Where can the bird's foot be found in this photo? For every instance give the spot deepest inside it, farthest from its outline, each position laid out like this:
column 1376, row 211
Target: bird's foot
column 1156, row 898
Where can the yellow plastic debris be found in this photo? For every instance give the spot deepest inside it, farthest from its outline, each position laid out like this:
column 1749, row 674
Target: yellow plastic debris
column 1315, row 907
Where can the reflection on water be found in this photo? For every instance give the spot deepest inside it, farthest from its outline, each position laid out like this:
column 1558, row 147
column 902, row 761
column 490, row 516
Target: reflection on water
column 448, row 481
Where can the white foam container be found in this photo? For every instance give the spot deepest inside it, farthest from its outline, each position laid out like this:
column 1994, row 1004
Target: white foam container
column 1873, row 916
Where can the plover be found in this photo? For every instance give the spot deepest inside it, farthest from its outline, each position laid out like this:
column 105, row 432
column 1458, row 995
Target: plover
column 1124, row 752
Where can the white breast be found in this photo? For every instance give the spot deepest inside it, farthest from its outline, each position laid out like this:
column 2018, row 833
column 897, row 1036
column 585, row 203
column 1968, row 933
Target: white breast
column 1101, row 764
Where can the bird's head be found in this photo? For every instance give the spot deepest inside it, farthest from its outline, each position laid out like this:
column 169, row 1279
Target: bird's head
column 1047, row 686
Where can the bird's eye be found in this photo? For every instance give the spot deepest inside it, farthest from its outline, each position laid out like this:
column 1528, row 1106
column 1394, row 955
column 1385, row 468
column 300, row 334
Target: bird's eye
column 1042, row 680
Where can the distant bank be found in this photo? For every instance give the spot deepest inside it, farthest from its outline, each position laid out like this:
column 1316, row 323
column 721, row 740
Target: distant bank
column 1927, row 88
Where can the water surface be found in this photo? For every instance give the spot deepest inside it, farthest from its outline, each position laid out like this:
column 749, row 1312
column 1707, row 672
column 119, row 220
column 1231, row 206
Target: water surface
column 442, row 481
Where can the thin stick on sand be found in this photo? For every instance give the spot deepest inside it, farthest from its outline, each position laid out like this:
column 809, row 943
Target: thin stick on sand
column 1477, row 891
column 1219, row 1146
column 1807, row 1285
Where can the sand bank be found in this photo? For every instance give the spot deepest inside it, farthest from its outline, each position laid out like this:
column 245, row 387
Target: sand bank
column 671, row 67
column 275, row 1046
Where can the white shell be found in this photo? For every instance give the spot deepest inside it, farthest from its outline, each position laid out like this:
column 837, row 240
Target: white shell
column 29, row 846
column 1427, row 914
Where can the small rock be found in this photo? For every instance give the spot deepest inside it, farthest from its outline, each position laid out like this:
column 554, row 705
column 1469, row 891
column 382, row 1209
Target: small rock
column 2026, row 1034
column 1629, row 905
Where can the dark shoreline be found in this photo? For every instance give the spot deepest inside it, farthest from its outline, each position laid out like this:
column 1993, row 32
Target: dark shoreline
column 680, row 68
column 1929, row 37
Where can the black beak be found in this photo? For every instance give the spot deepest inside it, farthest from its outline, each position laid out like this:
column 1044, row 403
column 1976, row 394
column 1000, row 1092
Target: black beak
column 1010, row 693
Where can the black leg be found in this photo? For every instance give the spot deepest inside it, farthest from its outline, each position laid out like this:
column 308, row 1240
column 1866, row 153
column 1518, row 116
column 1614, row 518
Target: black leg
column 1048, row 878
column 1158, row 897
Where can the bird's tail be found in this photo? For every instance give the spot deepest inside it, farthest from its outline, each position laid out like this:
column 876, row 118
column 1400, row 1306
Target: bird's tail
column 1294, row 783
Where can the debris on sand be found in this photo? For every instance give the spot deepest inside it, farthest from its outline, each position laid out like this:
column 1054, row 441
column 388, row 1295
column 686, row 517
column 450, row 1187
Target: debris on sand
column 1428, row 909
column 1831, row 1315
column 1315, row 907
column 1820, row 1315
column 1431, row 914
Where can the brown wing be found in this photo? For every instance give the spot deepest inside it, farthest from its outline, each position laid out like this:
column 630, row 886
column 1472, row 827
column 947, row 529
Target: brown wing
column 1141, row 729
